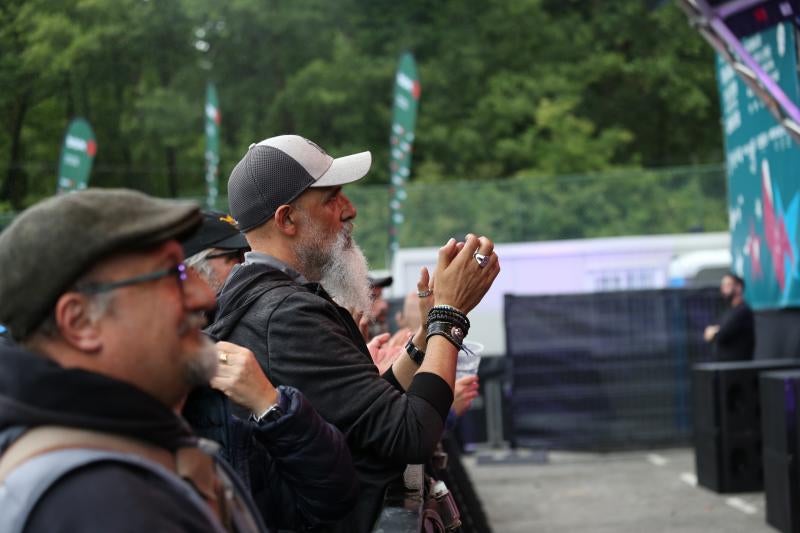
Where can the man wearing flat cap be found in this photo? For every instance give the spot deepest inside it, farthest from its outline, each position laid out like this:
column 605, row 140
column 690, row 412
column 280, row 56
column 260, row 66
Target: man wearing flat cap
column 109, row 346
column 290, row 303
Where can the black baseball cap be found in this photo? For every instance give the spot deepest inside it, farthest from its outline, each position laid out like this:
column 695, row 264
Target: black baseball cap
column 380, row 282
column 218, row 230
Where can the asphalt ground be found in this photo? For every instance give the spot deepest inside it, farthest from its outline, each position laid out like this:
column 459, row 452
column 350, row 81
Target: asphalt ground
column 653, row 491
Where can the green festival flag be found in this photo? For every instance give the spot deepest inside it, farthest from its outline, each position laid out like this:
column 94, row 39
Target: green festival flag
column 77, row 155
column 213, row 119
column 406, row 99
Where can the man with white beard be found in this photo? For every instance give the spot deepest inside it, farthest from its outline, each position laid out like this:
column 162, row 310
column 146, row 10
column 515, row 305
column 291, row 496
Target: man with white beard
column 288, row 303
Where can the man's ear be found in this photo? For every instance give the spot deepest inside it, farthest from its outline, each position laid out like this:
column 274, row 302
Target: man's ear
column 286, row 220
column 75, row 323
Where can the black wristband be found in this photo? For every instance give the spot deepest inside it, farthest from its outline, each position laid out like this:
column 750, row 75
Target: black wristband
column 439, row 316
column 414, row 353
column 451, row 332
column 448, row 313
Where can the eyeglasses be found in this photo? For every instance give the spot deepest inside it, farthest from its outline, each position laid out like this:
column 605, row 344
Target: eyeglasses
column 238, row 254
column 179, row 271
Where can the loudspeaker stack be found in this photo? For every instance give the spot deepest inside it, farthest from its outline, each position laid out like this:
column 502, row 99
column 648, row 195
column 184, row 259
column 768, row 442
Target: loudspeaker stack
column 780, row 407
column 727, row 423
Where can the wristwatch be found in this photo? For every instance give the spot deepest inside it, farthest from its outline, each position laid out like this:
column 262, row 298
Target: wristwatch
column 414, row 353
column 270, row 414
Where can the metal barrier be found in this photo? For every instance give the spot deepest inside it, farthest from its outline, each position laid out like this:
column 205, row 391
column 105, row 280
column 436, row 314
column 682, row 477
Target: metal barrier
column 606, row 370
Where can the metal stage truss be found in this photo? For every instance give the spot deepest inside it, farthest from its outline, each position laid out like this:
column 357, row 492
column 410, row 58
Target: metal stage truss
column 724, row 23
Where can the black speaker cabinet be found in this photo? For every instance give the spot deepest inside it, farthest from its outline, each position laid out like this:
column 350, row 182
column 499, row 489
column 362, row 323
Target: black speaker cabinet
column 780, row 406
column 726, row 395
column 781, row 491
column 727, row 423
column 728, row 462
column 780, row 410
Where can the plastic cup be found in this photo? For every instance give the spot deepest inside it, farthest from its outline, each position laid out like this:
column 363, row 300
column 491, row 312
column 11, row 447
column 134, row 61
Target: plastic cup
column 467, row 364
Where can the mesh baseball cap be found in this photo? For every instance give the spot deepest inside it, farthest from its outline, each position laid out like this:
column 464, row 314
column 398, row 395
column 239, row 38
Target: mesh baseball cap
column 277, row 170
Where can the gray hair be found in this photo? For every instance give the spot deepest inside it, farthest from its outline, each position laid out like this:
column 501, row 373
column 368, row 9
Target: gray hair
column 199, row 262
column 100, row 305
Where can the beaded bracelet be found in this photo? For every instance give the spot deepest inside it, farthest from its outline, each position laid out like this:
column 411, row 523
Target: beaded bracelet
column 451, row 309
column 449, row 313
column 437, row 314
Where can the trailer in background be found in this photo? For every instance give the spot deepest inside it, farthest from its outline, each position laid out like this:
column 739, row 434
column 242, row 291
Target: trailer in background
column 579, row 266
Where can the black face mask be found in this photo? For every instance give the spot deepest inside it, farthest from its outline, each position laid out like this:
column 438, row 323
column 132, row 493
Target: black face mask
column 727, row 298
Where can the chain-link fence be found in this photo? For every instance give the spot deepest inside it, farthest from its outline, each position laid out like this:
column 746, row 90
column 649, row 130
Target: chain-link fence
column 535, row 208
column 522, row 209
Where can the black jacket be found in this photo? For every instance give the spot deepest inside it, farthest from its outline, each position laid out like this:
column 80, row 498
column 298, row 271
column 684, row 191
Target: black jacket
column 298, row 468
column 301, row 338
column 736, row 338
column 103, row 496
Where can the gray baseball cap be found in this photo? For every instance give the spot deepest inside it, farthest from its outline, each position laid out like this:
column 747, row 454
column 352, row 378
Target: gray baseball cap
column 277, row 170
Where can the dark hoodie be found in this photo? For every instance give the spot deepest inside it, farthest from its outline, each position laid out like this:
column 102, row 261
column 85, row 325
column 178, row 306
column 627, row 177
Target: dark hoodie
column 303, row 339
column 104, row 496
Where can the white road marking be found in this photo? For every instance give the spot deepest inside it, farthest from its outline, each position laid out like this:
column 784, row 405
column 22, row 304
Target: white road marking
column 689, row 479
column 657, row 460
column 741, row 505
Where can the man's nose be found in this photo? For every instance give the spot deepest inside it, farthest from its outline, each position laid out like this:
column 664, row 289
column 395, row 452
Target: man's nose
column 348, row 209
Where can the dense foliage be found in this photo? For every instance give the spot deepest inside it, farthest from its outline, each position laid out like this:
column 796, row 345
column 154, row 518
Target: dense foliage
column 512, row 90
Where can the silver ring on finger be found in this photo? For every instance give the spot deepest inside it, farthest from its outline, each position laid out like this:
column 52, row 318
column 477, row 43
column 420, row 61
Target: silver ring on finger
column 425, row 293
column 481, row 259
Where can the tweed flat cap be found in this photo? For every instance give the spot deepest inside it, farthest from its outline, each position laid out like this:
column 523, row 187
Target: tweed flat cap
column 51, row 244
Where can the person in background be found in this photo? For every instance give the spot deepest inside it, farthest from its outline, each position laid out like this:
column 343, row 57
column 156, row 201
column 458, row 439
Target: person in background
column 379, row 311
column 734, row 337
column 215, row 248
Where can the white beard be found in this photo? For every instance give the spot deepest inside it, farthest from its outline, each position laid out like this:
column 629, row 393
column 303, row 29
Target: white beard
column 341, row 268
column 346, row 276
